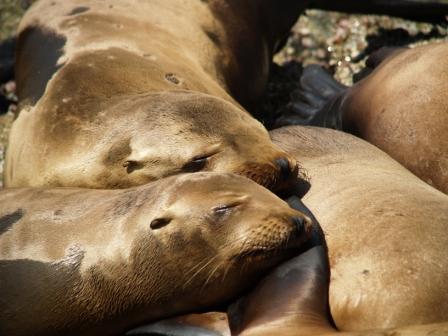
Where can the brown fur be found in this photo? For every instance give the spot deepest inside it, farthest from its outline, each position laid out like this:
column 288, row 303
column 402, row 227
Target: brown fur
column 402, row 108
column 118, row 80
column 98, row 262
column 385, row 229
column 292, row 301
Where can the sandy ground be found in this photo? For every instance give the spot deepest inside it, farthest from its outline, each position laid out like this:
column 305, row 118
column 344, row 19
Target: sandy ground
column 337, row 41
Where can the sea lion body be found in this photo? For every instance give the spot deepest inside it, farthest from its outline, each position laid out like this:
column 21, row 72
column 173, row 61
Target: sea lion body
column 104, row 85
column 400, row 106
column 385, row 230
column 98, row 262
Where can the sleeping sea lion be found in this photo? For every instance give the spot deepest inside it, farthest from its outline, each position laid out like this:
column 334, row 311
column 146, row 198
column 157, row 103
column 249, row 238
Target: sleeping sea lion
column 385, row 229
column 113, row 94
column 292, row 300
column 98, row 262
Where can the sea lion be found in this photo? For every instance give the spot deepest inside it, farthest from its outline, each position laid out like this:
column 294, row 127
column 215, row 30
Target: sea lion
column 385, row 229
column 400, row 107
column 98, row 262
column 113, row 94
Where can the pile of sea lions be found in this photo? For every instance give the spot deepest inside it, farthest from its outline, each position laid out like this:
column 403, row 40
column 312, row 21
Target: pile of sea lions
column 142, row 197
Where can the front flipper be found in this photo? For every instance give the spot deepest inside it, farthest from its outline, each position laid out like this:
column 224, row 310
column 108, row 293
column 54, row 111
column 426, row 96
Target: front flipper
column 316, row 103
column 291, row 300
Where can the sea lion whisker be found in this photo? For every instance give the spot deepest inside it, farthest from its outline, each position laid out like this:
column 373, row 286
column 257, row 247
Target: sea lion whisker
column 199, row 270
column 210, row 276
column 199, row 266
column 225, row 272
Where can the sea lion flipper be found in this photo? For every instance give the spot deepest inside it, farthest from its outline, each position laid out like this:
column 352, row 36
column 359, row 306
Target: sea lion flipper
column 291, row 297
column 317, row 102
column 206, row 324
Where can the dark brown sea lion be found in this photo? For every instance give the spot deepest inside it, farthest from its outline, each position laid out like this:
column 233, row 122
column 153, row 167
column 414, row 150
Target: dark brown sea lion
column 98, row 262
column 400, row 107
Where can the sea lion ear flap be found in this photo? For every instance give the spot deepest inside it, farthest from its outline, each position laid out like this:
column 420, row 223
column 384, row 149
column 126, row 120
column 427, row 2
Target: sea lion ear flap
column 160, row 222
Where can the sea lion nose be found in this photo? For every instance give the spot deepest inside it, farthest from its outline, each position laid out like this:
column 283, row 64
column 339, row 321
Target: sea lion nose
column 287, row 170
column 299, row 223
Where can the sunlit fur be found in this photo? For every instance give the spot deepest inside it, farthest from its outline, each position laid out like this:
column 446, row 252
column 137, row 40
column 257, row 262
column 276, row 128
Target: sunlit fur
column 119, row 96
column 93, row 257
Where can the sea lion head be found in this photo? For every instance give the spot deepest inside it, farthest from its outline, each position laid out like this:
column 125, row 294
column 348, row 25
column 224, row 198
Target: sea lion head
column 177, row 132
column 211, row 235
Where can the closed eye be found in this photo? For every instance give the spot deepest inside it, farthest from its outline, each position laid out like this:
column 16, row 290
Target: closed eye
column 197, row 163
column 224, row 209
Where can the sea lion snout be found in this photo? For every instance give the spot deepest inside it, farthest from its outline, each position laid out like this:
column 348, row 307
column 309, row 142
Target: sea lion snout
column 274, row 170
column 299, row 223
column 288, row 168
column 302, row 225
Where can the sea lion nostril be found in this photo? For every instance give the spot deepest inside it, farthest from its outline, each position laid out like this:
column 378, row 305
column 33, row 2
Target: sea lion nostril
column 285, row 168
column 299, row 223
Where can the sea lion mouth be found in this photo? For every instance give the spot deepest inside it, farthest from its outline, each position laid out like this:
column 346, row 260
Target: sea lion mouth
column 267, row 253
column 289, row 245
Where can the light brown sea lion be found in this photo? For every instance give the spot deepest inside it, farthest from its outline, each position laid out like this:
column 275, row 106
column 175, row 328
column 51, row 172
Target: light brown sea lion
column 118, row 93
column 97, row 262
column 400, row 107
column 386, row 231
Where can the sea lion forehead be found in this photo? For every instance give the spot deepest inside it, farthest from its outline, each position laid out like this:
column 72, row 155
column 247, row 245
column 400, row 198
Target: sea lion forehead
column 214, row 180
column 196, row 109
column 218, row 187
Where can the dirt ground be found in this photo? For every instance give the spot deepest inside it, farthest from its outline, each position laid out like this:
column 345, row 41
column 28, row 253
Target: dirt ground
column 337, row 41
